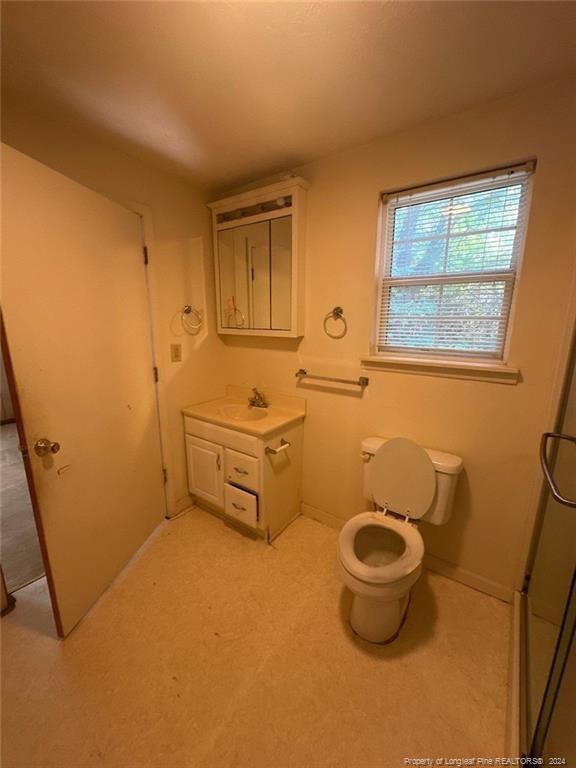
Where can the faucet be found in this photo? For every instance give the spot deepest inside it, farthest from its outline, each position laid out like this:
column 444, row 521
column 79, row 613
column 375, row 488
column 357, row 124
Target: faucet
column 258, row 400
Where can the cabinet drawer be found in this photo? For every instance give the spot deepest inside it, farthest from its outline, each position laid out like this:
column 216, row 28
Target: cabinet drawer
column 241, row 469
column 241, row 505
column 221, row 435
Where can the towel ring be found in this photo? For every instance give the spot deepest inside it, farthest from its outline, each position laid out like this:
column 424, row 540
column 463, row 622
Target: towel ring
column 191, row 319
column 236, row 317
column 336, row 314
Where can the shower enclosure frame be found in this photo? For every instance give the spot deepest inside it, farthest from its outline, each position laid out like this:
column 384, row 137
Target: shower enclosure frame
column 527, row 738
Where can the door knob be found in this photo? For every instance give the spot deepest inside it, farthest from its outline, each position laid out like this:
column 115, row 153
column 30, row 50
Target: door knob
column 44, row 446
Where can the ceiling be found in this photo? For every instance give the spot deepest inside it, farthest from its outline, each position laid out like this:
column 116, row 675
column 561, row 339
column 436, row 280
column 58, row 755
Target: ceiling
column 225, row 92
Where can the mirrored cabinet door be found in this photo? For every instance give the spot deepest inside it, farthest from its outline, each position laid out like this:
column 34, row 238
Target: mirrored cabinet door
column 256, row 275
column 245, row 276
column 281, row 272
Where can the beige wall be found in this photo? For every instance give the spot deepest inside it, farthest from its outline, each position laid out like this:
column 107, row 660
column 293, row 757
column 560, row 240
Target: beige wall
column 494, row 427
column 178, row 234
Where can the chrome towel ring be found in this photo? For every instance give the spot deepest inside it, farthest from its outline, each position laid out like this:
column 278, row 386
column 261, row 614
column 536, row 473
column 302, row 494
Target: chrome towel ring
column 336, row 314
column 191, row 319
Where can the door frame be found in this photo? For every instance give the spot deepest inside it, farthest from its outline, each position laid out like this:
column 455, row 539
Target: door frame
column 23, row 447
column 171, row 506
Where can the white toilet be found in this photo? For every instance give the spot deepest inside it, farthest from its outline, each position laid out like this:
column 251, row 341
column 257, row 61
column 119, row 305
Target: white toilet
column 381, row 552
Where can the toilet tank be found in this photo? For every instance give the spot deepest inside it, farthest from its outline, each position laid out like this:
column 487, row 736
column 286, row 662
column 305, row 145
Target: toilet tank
column 447, row 466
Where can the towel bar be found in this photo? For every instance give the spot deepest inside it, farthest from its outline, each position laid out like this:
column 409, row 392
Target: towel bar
column 362, row 381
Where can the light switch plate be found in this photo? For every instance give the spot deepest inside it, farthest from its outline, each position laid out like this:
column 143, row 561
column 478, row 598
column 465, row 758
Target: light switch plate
column 176, row 353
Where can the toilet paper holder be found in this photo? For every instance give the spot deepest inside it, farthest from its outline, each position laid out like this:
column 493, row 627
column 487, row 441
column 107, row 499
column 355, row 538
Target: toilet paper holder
column 284, row 444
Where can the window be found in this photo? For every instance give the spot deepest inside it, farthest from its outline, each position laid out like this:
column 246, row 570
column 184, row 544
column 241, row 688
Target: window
column 448, row 263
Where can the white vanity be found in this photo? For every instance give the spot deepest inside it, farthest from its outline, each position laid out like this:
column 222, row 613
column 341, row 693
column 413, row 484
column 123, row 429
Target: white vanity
column 246, row 462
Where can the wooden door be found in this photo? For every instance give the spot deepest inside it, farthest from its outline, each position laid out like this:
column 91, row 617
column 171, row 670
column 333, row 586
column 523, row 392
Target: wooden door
column 75, row 308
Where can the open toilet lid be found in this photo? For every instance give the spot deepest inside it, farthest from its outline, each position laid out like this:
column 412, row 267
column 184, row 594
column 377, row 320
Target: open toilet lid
column 402, row 478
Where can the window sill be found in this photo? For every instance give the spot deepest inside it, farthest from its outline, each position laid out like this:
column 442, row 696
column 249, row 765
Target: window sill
column 496, row 373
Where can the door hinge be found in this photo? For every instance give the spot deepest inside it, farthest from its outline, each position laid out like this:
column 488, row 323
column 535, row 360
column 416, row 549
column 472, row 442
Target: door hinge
column 145, row 252
column 526, row 583
column 156, row 376
column 165, row 474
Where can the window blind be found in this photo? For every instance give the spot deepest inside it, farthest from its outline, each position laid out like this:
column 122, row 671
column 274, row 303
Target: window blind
column 449, row 264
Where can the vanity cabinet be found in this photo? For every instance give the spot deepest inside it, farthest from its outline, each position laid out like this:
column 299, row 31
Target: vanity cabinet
column 259, row 260
column 255, row 481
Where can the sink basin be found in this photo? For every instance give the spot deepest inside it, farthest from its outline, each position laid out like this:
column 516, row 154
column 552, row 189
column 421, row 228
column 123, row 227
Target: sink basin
column 233, row 412
column 242, row 413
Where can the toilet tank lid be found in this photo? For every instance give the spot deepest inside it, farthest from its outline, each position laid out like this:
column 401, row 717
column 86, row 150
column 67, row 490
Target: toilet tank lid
column 447, row 463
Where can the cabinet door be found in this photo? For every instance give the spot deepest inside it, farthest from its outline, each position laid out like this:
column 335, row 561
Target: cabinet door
column 205, row 470
column 244, row 260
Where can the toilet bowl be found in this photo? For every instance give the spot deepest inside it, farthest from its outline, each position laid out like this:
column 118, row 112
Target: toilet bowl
column 380, row 560
column 381, row 552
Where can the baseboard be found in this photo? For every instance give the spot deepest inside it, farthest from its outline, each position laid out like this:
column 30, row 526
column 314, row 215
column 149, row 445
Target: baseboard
column 467, row 577
column 514, row 708
column 182, row 505
column 322, row 517
column 540, row 608
column 10, row 604
column 272, row 537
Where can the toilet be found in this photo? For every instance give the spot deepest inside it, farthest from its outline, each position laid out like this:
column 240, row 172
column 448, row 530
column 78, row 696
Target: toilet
column 380, row 552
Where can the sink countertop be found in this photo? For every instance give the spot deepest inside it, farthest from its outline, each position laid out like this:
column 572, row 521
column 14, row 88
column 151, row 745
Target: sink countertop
column 282, row 411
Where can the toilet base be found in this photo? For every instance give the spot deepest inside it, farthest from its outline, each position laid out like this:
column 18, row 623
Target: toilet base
column 378, row 610
column 378, row 620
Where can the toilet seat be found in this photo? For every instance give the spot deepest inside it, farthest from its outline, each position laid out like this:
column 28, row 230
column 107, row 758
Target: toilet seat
column 403, row 478
column 403, row 566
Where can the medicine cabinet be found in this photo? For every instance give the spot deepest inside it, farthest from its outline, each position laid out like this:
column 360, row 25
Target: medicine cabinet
column 258, row 250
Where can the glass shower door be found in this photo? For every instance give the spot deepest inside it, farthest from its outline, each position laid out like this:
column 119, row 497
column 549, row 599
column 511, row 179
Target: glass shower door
column 551, row 596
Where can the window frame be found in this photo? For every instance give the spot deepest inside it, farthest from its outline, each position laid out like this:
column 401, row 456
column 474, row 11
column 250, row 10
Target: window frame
column 444, row 362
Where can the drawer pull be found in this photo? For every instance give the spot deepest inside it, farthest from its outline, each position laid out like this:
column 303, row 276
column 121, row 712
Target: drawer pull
column 239, row 507
column 284, row 444
column 240, row 471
